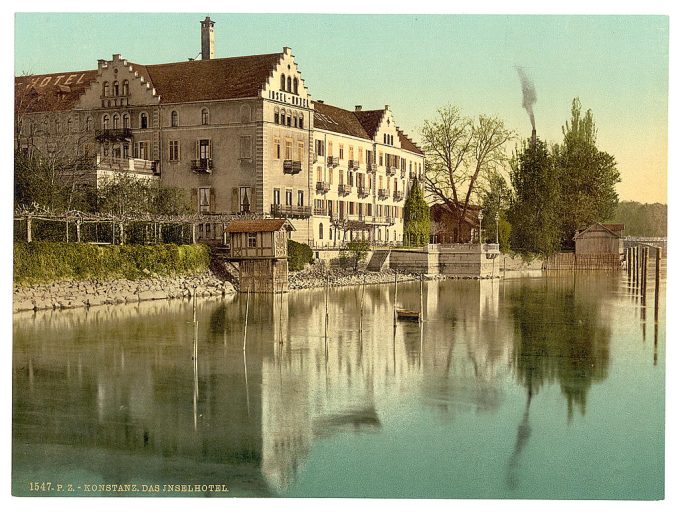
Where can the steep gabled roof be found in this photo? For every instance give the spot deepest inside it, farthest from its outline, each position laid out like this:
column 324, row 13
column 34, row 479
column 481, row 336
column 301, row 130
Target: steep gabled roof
column 407, row 144
column 335, row 119
column 213, row 79
column 263, row 225
column 370, row 120
column 615, row 229
column 30, row 96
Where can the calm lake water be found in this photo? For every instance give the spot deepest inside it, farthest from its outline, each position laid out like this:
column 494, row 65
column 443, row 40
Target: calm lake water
column 534, row 387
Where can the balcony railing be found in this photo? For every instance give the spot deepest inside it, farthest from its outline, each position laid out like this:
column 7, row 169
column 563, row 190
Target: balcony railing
column 353, row 164
column 202, row 165
column 120, row 134
column 382, row 194
column 390, row 170
column 398, row 196
column 128, row 164
column 322, row 187
column 344, row 189
column 371, row 166
column 333, row 161
column 291, row 211
column 321, row 211
column 292, row 167
column 362, row 191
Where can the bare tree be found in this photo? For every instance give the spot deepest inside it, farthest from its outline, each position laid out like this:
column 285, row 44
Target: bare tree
column 459, row 151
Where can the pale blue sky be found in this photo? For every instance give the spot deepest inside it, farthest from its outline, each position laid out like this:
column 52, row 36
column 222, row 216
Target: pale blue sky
column 617, row 65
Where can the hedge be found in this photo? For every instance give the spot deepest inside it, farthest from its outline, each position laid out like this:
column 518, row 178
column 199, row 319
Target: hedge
column 299, row 254
column 41, row 262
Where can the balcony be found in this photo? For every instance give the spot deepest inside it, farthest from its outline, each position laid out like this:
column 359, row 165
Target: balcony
column 362, row 191
column 344, row 189
column 291, row 211
column 202, row 166
column 333, row 161
column 140, row 166
column 390, row 170
column 292, row 167
column 353, row 164
column 383, row 194
column 398, row 196
column 371, row 166
column 102, row 135
column 321, row 211
column 322, row 187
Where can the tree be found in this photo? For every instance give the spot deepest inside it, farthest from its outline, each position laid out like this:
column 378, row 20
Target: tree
column 496, row 198
column 459, row 151
column 359, row 249
column 587, row 176
column 416, row 217
column 534, row 209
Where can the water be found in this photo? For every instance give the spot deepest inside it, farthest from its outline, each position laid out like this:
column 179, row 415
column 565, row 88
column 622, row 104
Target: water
column 534, row 387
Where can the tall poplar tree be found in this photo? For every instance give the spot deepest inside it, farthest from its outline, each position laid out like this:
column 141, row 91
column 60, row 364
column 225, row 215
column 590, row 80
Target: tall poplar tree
column 416, row 217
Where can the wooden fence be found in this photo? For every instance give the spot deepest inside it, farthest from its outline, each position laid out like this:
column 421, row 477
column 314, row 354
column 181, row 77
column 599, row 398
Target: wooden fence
column 573, row 261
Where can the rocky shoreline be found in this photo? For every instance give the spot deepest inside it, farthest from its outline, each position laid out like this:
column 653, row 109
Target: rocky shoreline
column 317, row 275
column 69, row 294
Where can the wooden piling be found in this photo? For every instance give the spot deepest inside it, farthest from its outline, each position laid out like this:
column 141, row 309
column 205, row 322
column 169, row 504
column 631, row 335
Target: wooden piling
column 245, row 327
column 361, row 310
column 645, row 256
column 657, row 279
column 395, row 298
column 420, row 313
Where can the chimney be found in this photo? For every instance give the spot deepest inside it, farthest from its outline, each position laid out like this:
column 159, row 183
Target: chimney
column 207, row 39
column 357, row 108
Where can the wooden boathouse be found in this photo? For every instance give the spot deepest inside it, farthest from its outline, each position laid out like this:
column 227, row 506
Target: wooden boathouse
column 260, row 248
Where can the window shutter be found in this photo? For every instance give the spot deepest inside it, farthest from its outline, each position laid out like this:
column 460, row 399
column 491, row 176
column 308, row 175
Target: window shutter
column 212, row 200
column 194, row 198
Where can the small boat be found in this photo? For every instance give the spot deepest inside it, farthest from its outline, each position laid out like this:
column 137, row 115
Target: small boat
column 407, row 315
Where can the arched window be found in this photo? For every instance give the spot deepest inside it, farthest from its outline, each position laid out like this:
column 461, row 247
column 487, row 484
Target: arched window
column 276, row 115
column 205, row 116
column 174, row 119
column 301, row 122
column 379, row 234
column 320, row 230
column 88, row 124
column 105, row 122
column 143, row 120
column 116, row 89
column 116, row 121
column 126, row 88
column 283, row 82
column 295, row 85
column 288, row 82
column 105, row 89
column 126, row 121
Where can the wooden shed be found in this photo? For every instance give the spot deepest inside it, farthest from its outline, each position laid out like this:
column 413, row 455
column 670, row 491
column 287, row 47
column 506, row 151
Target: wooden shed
column 261, row 249
column 600, row 239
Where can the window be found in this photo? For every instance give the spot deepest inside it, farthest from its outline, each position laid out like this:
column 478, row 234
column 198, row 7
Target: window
column 205, row 116
column 174, row 119
column 246, row 147
column 105, row 122
column 380, row 159
column 126, row 88
column 203, row 199
column 277, row 148
column 277, row 197
column 116, row 88
column 289, row 120
column 142, row 150
column 330, row 176
column 319, row 147
column 204, row 149
column 143, row 120
column 301, row 123
column 288, row 83
column 330, row 149
column 88, row 124
column 126, row 151
column 105, row 89
column 351, row 153
column 252, row 239
column 116, row 121
column 289, row 197
column 283, row 82
column 244, row 199
column 300, row 151
column 126, row 121
column 301, row 198
column 295, row 85
column 174, row 150
column 295, row 120
column 342, row 151
column 289, row 150
column 320, row 230
column 276, row 115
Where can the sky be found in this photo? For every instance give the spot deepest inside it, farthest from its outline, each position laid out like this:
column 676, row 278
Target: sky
column 616, row 65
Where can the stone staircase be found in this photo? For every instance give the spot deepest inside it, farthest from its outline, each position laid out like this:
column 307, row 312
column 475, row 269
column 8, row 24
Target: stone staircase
column 224, row 269
column 379, row 260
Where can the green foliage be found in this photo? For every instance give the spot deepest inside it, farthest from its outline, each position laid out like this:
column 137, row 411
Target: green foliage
column 496, row 200
column 299, row 255
column 533, row 213
column 587, row 176
column 359, row 249
column 41, row 262
column 648, row 219
column 416, row 217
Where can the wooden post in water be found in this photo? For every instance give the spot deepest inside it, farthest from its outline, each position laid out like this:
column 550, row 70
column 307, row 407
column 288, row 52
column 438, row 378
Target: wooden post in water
column 657, row 278
column 245, row 327
column 645, row 256
column 395, row 299
column 361, row 310
column 325, row 330
column 636, row 272
column 629, row 264
column 420, row 313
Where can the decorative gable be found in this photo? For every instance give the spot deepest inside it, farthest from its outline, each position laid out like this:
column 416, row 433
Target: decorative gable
column 285, row 83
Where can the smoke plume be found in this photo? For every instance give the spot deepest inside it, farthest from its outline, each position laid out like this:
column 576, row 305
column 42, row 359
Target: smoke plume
column 528, row 94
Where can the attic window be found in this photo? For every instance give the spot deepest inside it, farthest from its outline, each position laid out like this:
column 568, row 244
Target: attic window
column 126, row 88
column 295, row 85
column 283, row 82
column 205, row 116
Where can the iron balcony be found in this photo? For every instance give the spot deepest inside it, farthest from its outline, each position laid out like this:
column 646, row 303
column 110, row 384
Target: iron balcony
column 291, row 211
column 353, row 164
column 119, row 134
column 390, row 170
column 202, row 165
column 292, row 167
column 398, row 196
column 322, row 187
column 382, row 194
column 333, row 161
column 344, row 189
column 362, row 191
column 371, row 166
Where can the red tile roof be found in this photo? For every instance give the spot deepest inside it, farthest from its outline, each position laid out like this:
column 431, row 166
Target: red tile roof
column 48, row 92
column 263, row 225
column 370, row 120
column 614, row 227
column 213, row 79
column 335, row 119
column 407, row 144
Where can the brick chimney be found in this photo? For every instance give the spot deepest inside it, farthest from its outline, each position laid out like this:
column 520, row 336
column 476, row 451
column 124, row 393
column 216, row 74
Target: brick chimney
column 207, row 39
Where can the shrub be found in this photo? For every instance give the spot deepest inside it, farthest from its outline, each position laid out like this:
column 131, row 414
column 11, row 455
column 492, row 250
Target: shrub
column 299, row 254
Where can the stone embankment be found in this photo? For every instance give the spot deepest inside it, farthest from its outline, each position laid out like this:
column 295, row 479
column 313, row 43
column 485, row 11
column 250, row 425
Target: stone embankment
column 86, row 293
column 316, row 276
